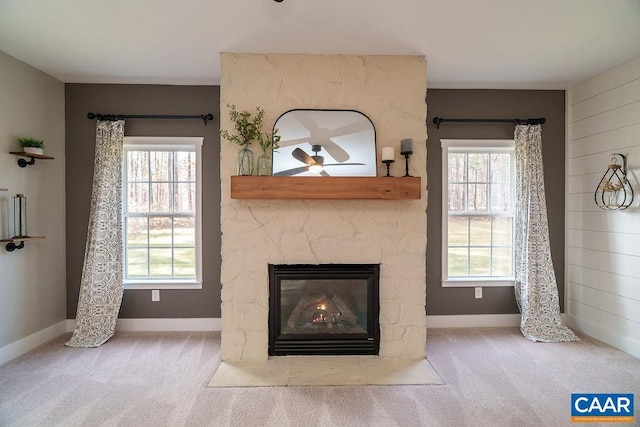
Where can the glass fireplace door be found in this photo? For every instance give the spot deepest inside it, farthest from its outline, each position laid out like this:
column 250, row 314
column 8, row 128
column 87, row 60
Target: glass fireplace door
column 324, row 309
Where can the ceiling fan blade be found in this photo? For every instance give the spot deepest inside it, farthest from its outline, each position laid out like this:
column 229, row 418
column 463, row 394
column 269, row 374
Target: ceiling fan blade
column 307, row 121
column 360, row 126
column 291, row 172
column 289, row 142
column 322, row 137
column 334, row 150
column 301, row 169
column 299, row 154
column 344, row 164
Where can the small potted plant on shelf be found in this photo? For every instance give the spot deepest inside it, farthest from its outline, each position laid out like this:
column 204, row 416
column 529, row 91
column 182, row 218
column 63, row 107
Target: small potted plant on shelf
column 32, row 145
column 268, row 142
column 247, row 128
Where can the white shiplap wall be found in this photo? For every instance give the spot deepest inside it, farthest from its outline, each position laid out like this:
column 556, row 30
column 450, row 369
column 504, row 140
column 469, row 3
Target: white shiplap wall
column 603, row 250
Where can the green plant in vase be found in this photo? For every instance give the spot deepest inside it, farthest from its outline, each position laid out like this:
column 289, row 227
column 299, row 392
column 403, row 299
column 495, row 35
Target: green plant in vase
column 247, row 128
column 268, row 142
column 32, row 145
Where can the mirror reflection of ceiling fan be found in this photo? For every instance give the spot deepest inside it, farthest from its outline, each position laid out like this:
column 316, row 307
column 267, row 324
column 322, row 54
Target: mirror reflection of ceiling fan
column 312, row 139
column 323, row 137
column 313, row 163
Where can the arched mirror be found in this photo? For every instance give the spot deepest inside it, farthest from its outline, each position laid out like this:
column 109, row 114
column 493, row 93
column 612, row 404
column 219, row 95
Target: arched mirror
column 325, row 143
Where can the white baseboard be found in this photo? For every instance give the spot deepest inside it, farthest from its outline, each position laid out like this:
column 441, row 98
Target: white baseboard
column 158, row 325
column 606, row 335
column 215, row 323
column 32, row 341
column 36, row 339
column 474, row 321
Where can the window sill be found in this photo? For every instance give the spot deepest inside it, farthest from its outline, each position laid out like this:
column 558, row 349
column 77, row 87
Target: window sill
column 477, row 282
column 146, row 284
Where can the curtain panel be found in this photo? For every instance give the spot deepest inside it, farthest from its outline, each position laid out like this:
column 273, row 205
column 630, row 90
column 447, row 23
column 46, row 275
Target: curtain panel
column 536, row 288
column 101, row 286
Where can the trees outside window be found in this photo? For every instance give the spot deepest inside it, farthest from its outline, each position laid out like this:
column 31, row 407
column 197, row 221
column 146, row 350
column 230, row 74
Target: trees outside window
column 478, row 210
column 161, row 212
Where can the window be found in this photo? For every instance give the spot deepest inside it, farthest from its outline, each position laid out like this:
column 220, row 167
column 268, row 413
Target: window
column 478, row 211
column 162, row 213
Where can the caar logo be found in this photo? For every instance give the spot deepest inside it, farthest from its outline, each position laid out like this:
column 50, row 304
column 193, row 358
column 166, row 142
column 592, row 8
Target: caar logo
column 591, row 408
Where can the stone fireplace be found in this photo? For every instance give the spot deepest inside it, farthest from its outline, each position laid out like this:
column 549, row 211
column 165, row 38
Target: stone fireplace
column 390, row 90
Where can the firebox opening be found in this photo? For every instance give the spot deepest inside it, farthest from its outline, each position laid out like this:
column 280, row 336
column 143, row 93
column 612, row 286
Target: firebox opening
column 324, row 309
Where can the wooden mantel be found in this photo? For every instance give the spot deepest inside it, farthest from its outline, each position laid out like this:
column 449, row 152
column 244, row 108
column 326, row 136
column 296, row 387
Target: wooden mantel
column 309, row 187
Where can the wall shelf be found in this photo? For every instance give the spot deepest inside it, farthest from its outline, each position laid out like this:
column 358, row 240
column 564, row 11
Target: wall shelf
column 12, row 244
column 309, row 187
column 23, row 163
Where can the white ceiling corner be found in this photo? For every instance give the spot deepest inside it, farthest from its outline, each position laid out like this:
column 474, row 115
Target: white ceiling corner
column 546, row 44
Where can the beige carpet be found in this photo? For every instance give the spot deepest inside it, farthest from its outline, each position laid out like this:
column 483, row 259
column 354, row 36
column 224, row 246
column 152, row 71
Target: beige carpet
column 493, row 377
column 324, row 371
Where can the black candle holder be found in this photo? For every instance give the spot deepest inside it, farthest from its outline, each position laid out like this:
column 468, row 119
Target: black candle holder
column 388, row 163
column 406, row 155
column 406, row 149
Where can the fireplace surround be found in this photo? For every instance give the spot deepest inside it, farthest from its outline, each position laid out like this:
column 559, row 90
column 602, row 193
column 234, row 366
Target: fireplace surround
column 327, row 309
column 277, row 230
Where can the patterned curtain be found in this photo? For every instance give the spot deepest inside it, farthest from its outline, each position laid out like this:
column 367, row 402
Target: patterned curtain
column 101, row 286
column 536, row 288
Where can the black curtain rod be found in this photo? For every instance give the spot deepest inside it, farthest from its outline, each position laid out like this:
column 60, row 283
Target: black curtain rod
column 539, row 121
column 113, row 117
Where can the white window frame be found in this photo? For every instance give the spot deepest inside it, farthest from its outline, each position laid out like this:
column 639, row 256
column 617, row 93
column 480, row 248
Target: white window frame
column 133, row 143
column 472, row 146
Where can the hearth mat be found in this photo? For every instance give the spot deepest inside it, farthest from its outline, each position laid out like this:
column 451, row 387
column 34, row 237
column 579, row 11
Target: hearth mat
column 325, row 371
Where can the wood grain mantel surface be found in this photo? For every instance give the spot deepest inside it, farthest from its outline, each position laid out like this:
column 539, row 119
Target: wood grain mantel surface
column 308, row 187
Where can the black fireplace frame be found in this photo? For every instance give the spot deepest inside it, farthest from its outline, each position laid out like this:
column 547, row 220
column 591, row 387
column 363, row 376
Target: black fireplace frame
column 325, row 344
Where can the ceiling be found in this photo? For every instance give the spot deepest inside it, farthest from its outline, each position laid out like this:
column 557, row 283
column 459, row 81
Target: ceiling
column 524, row 44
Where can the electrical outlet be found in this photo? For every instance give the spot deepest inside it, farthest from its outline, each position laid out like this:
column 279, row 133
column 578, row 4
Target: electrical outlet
column 478, row 292
column 155, row 294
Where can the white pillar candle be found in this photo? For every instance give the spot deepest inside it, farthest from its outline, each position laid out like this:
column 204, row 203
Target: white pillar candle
column 387, row 153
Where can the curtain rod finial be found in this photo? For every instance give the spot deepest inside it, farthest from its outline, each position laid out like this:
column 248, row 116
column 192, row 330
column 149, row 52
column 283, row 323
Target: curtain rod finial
column 206, row 117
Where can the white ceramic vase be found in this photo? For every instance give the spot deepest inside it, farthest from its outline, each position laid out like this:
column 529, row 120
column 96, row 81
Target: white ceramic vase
column 33, row 150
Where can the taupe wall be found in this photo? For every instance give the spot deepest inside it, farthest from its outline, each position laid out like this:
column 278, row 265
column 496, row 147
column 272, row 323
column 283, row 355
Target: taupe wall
column 148, row 99
column 80, row 144
column 491, row 104
column 31, row 279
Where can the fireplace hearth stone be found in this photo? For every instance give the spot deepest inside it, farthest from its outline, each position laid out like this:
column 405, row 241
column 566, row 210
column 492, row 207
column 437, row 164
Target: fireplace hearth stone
column 325, row 371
